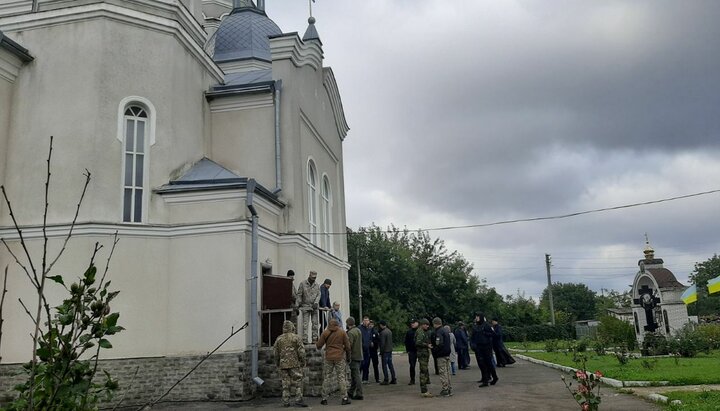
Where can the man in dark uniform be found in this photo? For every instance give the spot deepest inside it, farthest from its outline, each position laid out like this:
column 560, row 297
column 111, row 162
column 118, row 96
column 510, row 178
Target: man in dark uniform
column 411, row 349
column 481, row 343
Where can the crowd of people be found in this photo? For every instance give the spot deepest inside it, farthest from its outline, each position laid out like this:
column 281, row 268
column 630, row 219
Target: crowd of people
column 350, row 351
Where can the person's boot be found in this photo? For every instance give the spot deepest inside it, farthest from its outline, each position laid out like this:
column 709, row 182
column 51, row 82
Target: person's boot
column 385, row 382
column 345, row 401
column 323, row 402
column 412, row 382
column 393, row 381
column 494, row 381
column 300, row 404
column 426, row 394
column 484, row 384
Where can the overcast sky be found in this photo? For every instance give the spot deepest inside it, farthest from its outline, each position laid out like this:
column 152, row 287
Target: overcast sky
column 469, row 112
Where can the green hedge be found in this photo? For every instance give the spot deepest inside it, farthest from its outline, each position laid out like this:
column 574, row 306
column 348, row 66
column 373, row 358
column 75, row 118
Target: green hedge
column 537, row 333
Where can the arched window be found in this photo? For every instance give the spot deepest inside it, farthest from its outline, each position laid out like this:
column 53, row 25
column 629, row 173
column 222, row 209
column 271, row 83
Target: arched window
column 637, row 323
column 326, row 215
column 312, row 201
column 667, row 323
column 134, row 162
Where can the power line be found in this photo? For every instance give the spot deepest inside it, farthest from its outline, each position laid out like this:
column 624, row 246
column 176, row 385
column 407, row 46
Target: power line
column 553, row 217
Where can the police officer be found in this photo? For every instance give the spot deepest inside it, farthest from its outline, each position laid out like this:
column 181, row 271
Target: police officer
column 290, row 360
column 423, row 345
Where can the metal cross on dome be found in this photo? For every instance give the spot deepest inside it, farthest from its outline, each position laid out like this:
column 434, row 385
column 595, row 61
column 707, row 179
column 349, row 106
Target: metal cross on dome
column 310, row 2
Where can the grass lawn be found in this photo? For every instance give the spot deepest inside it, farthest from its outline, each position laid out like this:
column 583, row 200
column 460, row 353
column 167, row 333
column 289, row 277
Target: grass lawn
column 702, row 369
column 696, row 401
column 540, row 345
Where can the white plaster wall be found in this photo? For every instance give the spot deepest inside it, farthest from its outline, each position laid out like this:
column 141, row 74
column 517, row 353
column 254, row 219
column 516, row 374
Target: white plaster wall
column 81, row 73
column 6, row 90
column 244, row 142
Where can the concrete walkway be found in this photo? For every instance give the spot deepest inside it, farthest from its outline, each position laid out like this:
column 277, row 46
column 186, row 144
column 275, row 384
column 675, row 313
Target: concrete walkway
column 522, row 386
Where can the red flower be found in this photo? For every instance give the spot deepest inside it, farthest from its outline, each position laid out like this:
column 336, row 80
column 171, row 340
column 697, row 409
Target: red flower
column 598, row 374
column 585, row 406
column 580, row 374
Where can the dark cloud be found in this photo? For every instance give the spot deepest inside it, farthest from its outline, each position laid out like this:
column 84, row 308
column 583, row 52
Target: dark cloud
column 466, row 112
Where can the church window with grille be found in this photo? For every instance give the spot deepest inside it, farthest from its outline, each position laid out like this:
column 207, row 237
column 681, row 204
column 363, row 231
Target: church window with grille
column 312, row 201
column 134, row 163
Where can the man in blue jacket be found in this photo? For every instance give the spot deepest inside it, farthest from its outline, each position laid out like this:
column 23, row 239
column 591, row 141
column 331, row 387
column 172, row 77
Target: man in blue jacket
column 367, row 333
column 461, row 346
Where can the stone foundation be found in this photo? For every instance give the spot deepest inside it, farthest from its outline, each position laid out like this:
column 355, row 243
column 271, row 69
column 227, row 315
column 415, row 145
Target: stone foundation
column 222, row 377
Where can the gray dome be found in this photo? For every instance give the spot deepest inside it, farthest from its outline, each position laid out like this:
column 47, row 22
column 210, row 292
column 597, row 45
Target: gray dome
column 244, row 35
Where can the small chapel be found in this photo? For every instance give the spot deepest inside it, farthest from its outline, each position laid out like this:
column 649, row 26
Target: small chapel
column 656, row 305
column 215, row 143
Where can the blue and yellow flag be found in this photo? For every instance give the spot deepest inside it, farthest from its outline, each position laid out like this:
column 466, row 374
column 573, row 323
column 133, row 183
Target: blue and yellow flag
column 690, row 295
column 714, row 285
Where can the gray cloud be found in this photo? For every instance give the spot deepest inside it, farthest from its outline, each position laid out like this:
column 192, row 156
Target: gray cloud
column 465, row 112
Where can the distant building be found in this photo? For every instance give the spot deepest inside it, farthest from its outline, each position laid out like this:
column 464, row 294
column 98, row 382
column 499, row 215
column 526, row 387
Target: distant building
column 657, row 306
column 622, row 313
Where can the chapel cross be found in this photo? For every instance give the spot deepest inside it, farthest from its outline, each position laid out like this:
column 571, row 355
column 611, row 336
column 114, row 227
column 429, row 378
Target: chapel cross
column 310, row 2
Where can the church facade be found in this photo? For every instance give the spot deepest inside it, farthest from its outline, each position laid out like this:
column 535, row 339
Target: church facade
column 179, row 109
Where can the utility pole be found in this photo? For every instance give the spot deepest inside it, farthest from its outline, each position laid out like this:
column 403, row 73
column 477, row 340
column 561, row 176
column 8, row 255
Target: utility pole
column 552, row 309
column 359, row 286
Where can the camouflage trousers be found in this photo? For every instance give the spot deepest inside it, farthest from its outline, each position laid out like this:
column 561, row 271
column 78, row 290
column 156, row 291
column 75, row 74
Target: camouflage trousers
column 308, row 323
column 423, row 360
column 444, row 371
column 292, row 384
column 334, row 373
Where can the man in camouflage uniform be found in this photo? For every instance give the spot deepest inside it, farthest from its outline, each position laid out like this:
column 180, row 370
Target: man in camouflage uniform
column 290, row 360
column 307, row 298
column 423, row 344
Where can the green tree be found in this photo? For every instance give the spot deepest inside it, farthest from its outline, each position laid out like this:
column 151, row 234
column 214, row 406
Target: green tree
column 613, row 299
column 577, row 300
column 409, row 274
column 519, row 310
column 703, row 272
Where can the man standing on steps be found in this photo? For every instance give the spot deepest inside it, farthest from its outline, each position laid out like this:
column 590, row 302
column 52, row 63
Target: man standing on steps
column 441, row 350
column 307, row 299
column 411, row 349
column 386, row 346
column 422, row 344
column 290, row 361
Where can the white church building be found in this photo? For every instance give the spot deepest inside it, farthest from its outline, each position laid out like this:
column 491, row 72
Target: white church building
column 178, row 108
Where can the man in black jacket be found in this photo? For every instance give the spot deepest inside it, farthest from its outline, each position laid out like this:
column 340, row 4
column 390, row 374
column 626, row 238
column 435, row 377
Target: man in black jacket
column 481, row 343
column 411, row 348
column 441, row 350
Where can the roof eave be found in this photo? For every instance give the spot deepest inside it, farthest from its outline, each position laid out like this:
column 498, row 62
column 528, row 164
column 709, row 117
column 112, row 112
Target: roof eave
column 16, row 49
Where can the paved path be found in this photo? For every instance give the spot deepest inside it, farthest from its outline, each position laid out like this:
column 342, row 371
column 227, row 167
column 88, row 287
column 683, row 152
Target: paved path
column 522, row 386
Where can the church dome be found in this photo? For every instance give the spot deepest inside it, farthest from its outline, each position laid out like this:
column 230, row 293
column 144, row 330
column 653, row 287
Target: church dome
column 244, row 34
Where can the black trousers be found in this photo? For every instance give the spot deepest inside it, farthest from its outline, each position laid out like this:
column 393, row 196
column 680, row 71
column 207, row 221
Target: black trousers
column 483, row 356
column 374, row 360
column 412, row 358
column 462, row 358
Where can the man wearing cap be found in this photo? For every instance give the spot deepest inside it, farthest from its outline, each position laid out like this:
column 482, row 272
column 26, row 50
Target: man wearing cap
column 290, row 361
column 411, row 349
column 337, row 349
column 441, row 350
column 356, row 358
column 386, row 346
column 422, row 344
column 307, row 298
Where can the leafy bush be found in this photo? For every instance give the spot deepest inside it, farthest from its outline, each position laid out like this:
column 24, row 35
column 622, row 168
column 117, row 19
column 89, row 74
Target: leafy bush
column 81, row 324
column 710, row 334
column 622, row 355
column 599, row 346
column 655, row 344
column 688, row 342
column 551, row 345
column 539, row 332
column 616, row 332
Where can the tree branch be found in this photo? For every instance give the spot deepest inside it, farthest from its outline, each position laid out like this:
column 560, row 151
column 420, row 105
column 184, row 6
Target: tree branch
column 72, row 225
column 7, row 247
column 19, row 231
column 107, row 263
column 28, row 312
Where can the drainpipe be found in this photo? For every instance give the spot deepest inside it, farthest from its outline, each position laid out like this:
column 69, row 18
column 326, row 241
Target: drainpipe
column 254, row 330
column 278, row 156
